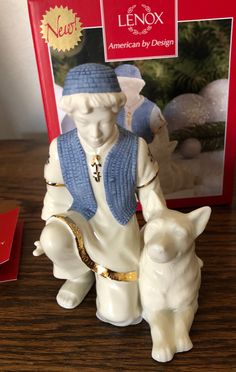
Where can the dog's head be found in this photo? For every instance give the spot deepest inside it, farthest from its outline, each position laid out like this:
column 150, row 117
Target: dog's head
column 171, row 233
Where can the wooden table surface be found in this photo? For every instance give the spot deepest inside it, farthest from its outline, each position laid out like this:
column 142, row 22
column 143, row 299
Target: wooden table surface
column 37, row 335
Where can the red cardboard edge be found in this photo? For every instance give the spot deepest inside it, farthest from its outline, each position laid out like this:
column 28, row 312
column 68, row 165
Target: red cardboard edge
column 9, row 271
column 8, row 226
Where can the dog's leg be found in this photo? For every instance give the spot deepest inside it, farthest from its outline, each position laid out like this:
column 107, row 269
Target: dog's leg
column 162, row 331
column 182, row 322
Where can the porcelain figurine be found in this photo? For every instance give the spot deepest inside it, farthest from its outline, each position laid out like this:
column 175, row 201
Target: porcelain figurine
column 173, row 175
column 170, row 276
column 144, row 118
column 139, row 115
column 93, row 175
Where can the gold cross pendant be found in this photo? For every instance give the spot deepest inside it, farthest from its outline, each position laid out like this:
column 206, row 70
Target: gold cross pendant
column 96, row 165
column 129, row 119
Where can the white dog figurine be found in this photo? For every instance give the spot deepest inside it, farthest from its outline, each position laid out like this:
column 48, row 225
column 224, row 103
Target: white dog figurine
column 170, row 277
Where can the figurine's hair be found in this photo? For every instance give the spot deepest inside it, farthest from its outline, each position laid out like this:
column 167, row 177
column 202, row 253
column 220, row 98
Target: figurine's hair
column 85, row 102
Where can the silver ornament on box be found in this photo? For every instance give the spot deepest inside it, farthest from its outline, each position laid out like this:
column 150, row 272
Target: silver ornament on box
column 190, row 148
column 186, row 110
column 216, row 96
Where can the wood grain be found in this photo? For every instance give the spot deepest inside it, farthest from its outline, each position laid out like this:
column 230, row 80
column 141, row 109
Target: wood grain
column 37, row 335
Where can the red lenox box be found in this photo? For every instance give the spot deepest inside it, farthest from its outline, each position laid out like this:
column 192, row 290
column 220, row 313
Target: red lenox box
column 186, row 54
column 11, row 231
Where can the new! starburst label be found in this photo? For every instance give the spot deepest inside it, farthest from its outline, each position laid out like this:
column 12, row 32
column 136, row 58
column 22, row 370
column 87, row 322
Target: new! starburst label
column 139, row 29
column 61, row 28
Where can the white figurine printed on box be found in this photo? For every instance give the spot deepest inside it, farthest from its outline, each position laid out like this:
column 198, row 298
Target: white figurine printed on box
column 143, row 117
column 94, row 174
column 139, row 115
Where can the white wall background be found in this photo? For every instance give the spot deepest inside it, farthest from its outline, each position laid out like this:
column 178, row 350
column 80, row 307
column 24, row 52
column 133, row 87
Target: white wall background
column 21, row 109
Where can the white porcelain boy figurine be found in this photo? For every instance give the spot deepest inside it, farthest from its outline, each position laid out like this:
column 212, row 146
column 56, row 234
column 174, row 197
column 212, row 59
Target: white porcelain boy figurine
column 93, row 174
column 170, row 277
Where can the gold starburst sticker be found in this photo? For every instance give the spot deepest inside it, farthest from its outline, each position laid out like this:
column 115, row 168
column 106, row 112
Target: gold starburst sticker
column 61, row 28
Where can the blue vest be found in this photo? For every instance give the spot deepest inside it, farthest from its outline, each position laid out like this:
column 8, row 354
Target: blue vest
column 119, row 175
column 140, row 120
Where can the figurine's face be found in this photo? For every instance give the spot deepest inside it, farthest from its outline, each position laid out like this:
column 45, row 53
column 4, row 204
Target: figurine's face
column 130, row 86
column 96, row 126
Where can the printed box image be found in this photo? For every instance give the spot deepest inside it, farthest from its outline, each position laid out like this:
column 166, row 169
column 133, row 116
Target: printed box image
column 179, row 84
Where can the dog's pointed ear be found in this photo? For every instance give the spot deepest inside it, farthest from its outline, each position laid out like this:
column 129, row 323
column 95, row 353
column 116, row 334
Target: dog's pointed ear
column 199, row 218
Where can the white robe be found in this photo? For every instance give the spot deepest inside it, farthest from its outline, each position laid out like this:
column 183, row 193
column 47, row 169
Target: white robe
column 116, row 246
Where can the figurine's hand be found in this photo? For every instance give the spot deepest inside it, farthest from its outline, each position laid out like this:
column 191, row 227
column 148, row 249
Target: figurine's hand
column 39, row 249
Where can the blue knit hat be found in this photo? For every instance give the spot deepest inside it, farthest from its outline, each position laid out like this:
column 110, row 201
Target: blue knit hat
column 91, row 78
column 128, row 71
